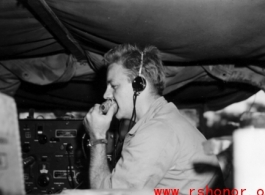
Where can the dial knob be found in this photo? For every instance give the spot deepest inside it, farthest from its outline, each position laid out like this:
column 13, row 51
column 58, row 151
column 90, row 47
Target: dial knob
column 69, row 147
column 26, row 148
column 43, row 180
column 42, row 139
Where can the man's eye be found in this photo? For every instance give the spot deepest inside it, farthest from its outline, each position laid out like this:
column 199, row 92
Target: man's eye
column 114, row 86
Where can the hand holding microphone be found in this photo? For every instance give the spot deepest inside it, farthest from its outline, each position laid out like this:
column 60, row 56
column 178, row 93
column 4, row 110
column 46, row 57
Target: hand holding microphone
column 105, row 106
column 99, row 117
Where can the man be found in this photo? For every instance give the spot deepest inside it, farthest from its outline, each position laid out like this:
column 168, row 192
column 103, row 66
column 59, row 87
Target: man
column 162, row 150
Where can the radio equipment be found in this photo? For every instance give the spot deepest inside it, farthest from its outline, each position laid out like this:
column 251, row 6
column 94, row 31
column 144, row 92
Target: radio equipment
column 55, row 156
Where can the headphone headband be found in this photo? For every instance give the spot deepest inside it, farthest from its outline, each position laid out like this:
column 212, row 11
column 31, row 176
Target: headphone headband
column 141, row 64
column 139, row 83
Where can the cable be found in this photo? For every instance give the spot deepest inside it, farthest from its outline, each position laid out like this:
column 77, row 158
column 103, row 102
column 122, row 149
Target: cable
column 72, row 182
column 79, row 185
column 119, row 140
column 83, row 148
column 132, row 120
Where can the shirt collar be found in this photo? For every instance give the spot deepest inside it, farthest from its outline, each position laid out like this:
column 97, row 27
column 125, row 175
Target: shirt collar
column 153, row 109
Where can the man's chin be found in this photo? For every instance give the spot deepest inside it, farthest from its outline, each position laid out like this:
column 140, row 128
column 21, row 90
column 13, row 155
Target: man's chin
column 118, row 117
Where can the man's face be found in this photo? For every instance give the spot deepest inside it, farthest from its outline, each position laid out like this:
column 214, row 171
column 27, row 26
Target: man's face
column 120, row 89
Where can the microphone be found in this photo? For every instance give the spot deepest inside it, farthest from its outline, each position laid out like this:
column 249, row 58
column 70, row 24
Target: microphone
column 104, row 107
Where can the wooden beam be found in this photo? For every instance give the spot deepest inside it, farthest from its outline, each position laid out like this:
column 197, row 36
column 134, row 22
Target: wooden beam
column 54, row 24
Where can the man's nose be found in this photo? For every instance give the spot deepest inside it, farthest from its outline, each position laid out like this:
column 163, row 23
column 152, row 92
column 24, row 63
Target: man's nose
column 108, row 94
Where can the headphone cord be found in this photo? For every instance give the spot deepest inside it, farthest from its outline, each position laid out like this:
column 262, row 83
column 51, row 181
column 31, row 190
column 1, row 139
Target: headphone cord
column 132, row 120
column 120, row 139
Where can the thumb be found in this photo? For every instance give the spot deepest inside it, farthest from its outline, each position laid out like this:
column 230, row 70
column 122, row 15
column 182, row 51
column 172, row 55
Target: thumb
column 112, row 110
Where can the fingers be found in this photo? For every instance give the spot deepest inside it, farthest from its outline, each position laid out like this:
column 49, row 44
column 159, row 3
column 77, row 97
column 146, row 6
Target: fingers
column 91, row 110
column 88, row 115
column 94, row 108
column 96, row 123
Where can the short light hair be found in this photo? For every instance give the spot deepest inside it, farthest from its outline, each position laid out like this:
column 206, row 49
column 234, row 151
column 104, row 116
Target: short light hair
column 129, row 56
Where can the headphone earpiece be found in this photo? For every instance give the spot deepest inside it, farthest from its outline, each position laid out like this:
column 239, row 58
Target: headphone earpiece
column 139, row 82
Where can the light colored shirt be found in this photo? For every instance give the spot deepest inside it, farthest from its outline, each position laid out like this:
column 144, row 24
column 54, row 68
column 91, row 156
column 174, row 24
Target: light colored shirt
column 163, row 150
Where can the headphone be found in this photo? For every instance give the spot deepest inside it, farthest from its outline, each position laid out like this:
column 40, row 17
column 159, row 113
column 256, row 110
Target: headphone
column 139, row 82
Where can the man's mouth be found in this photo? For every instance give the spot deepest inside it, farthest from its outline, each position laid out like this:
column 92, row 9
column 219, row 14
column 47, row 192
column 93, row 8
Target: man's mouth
column 105, row 106
column 115, row 102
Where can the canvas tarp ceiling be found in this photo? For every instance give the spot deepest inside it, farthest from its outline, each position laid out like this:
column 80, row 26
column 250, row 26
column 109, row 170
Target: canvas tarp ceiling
column 202, row 41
